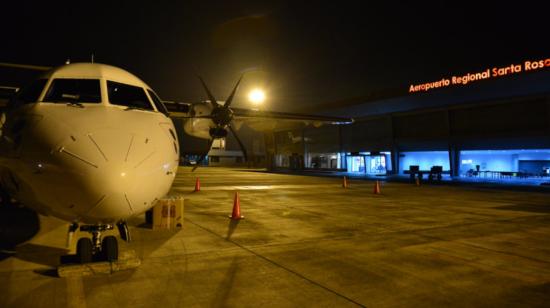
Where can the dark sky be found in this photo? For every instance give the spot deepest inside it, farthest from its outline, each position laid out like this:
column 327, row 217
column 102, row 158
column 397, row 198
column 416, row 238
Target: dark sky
column 301, row 52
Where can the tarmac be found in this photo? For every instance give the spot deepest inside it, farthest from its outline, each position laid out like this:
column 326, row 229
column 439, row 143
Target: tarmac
column 305, row 242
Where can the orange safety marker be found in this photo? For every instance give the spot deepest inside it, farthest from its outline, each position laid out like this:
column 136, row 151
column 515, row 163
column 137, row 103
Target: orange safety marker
column 197, row 185
column 236, row 215
column 377, row 188
column 417, row 180
column 345, row 183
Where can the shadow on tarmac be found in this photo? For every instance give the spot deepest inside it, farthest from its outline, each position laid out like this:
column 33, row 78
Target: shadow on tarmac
column 40, row 254
column 231, row 228
column 225, row 287
column 17, row 225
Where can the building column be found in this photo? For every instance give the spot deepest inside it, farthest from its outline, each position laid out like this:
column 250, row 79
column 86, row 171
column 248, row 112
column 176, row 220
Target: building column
column 394, row 148
column 304, row 149
column 454, row 160
column 270, row 150
column 454, row 151
column 395, row 160
column 343, row 160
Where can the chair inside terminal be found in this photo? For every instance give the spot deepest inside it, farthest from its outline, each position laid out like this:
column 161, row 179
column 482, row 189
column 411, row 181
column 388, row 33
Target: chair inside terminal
column 425, row 160
column 505, row 164
column 481, row 165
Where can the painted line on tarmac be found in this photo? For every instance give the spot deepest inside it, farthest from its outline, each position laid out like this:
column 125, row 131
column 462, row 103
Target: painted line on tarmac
column 280, row 265
column 75, row 292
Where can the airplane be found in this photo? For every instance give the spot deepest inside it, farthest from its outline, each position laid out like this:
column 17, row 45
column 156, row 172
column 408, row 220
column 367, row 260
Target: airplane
column 297, row 139
column 94, row 145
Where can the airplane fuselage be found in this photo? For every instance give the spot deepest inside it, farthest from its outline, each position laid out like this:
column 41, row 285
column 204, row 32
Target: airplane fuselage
column 95, row 162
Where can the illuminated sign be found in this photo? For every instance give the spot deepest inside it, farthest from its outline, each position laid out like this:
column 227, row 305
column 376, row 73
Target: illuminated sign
column 485, row 74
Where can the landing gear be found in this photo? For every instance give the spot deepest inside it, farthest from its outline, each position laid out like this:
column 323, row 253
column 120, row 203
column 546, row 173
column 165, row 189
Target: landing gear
column 109, row 248
column 72, row 229
column 98, row 248
column 95, row 249
column 84, row 250
column 124, row 231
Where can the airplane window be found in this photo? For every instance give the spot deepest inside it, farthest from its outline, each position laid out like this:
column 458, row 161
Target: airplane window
column 30, row 94
column 74, row 90
column 158, row 103
column 127, row 95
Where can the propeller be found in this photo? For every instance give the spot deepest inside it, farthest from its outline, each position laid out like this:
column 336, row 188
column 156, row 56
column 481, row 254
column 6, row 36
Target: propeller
column 222, row 116
column 241, row 145
column 203, row 156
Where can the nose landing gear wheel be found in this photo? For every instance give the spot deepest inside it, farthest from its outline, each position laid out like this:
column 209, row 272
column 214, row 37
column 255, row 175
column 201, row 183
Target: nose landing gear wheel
column 97, row 248
column 109, row 247
column 84, row 250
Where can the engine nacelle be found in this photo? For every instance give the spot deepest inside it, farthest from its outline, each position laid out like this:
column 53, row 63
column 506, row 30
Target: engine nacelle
column 199, row 128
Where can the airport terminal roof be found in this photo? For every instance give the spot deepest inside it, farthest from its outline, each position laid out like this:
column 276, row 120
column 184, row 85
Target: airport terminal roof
column 531, row 84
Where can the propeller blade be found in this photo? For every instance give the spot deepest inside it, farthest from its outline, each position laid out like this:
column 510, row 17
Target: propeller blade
column 203, row 156
column 243, row 149
column 230, row 98
column 211, row 97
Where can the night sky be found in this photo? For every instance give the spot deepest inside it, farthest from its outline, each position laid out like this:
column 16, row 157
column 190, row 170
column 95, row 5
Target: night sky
column 302, row 53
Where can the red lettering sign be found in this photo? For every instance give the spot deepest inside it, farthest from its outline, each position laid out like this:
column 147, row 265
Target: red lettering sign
column 486, row 74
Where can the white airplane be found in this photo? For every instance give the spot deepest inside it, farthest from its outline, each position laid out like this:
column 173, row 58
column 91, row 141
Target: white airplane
column 93, row 144
column 297, row 139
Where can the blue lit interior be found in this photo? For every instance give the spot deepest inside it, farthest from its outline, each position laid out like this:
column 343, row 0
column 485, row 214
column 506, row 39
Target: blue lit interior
column 425, row 160
column 356, row 164
column 530, row 162
column 366, row 163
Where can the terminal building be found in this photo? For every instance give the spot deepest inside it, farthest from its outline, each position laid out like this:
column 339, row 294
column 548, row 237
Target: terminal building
column 494, row 125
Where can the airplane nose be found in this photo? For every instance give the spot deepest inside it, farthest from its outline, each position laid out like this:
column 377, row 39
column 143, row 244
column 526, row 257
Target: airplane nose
column 119, row 171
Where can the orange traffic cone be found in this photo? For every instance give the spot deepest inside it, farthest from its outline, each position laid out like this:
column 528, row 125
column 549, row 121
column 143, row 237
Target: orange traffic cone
column 236, row 215
column 377, row 188
column 417, row 180
column 345, row 183
column 197, row 185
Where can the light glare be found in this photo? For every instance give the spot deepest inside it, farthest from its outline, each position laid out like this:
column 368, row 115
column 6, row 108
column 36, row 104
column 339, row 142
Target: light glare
column 256, row 96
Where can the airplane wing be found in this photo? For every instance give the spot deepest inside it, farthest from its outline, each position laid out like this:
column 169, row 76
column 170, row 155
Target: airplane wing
column 261, row 120
column 241, row 113
column 275, row 121
column 213, row 119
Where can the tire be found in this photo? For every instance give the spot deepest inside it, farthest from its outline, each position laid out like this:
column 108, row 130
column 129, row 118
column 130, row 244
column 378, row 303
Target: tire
column 84, row 250
column 109, row 247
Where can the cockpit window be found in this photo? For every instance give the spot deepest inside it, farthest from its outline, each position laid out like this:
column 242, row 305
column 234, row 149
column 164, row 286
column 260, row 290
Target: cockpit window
column 30, row 94
column 73, row 90
column 158, row 103
column 127, row 95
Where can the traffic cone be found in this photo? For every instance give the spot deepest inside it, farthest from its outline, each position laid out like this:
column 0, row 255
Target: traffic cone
column 197, row 185
column 345, row 183
column 417, row 181
column 236, row 215
column 377, row 188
